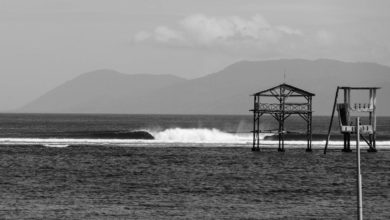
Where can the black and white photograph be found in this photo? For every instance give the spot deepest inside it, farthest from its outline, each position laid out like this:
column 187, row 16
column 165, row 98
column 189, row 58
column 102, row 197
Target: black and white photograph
column 194, row 109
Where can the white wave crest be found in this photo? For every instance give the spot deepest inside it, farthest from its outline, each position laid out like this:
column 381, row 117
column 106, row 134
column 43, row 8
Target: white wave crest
column 200, row 135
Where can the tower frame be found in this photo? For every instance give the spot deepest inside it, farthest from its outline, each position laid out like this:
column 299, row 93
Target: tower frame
column 347, row 110
column 280, row 111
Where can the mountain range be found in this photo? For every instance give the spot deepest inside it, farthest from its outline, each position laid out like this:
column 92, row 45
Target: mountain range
column 224, row 92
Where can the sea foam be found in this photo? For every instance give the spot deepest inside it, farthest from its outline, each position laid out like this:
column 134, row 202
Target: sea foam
column 200, row 135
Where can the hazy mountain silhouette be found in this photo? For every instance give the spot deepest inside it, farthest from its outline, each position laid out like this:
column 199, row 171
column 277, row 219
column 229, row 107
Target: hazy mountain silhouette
column 225, row 92
column 100, row 91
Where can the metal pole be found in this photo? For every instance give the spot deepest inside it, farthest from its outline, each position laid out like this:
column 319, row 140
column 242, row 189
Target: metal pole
column 359, row 176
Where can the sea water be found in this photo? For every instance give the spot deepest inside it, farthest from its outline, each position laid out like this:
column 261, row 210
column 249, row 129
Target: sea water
column 166, row 130
column 196, row 167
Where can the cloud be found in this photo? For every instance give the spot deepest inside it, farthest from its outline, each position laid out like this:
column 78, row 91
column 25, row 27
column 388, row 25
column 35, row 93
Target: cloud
column 244, row 38
column 231, row 31
column 164, row 34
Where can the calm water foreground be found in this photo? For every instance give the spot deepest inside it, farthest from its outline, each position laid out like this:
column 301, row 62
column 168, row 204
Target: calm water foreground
column 97, row 182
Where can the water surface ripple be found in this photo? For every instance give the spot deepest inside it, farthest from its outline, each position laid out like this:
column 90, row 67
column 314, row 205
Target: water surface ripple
column 95, row 182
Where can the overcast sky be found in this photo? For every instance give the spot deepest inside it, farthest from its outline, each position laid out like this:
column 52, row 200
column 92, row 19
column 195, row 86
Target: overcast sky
column 46, row 42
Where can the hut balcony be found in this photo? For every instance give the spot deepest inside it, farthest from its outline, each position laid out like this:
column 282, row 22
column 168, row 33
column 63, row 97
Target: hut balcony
column 286, row 107
column 364, row 129
column 362, row 107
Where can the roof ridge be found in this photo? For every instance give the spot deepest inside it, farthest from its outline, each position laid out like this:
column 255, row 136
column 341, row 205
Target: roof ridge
column 295, row 89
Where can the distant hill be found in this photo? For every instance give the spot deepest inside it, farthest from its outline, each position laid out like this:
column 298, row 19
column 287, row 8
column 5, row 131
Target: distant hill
column 100, row 91
column 225, row 92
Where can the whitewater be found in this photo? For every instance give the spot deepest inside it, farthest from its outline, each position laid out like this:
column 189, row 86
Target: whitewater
column 183, row 137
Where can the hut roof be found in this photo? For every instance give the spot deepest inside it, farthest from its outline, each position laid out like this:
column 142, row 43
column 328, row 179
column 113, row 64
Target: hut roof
column 296, row 91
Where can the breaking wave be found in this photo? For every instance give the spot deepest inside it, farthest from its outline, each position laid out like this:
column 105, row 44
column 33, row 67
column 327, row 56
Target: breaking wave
column 196, row 135
column 173, row 137
column 140, row 137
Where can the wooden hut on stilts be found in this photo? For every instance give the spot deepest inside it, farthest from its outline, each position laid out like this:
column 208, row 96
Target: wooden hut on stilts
column 288, row 100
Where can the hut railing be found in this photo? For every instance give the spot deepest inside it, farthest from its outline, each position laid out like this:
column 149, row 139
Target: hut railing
column 296, row 107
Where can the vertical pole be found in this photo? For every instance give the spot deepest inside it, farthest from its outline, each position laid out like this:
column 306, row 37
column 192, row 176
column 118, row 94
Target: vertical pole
column 280, row 120
column 254, row 123
column 347, row 108
column 349, row 102
column 283, row 106
column 282, row 132
column 257, row 124
column 331, row 119
column 258, row 128
column 311, row 120
column 345, row 142
column 359, row 176
column 307, row 133
column 346, row 103
column 371, row 106
column 309, row 124
column 279, row 135
column 374, row 121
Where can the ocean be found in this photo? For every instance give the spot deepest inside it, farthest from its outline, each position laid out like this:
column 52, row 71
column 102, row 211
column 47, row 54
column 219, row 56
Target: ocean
column 166, row 130
column 55, row 166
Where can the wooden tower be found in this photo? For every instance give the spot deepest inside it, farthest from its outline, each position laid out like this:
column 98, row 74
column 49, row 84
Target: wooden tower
column 288, row 100
column 346, row 110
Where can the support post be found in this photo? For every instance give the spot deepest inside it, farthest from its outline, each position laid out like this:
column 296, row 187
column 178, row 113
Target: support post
column 254, row 124
column 258, row 129
column 371, row 107
column 280, row 132
column 331, row 119
column 349, row 142
column 309, row 125
column 281, row 119
column 358, row 172
column 373, row 149
column 345, row 141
